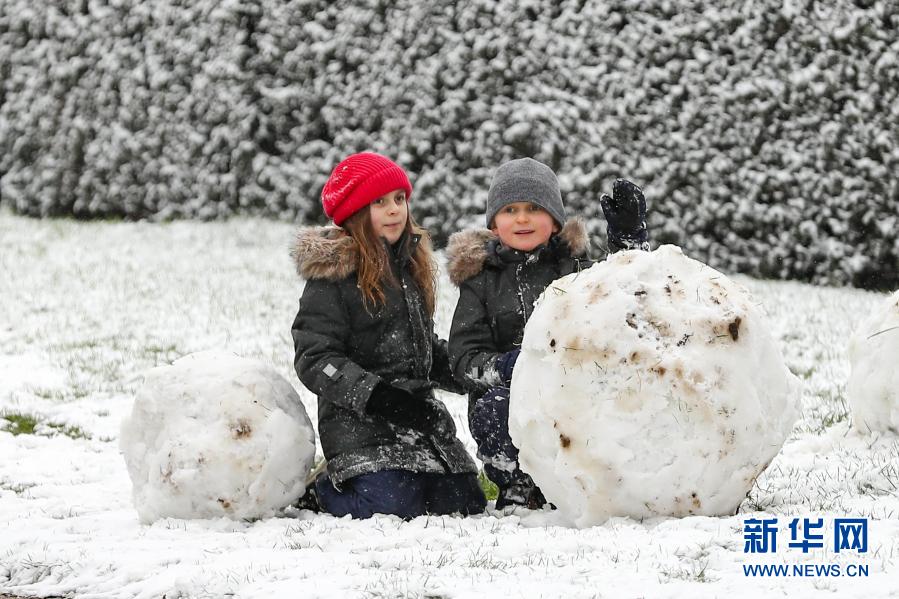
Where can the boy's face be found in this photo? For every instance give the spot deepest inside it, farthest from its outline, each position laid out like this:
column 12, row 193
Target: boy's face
column 523, row 226
column 389, row 214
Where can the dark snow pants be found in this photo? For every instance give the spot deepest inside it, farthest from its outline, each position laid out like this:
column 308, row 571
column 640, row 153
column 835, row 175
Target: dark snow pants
column 489, row 424
column 402, row 493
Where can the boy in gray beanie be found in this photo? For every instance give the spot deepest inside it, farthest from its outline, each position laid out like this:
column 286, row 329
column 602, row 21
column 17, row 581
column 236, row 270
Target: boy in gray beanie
column 500, row 272
column 525, row 180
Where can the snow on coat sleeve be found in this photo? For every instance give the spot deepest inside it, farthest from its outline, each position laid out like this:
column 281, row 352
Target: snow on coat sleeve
column 619, row 242
column 472, row 350
column 320, row 332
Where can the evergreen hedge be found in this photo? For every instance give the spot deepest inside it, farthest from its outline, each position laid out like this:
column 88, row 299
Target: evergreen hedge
column 764, row 132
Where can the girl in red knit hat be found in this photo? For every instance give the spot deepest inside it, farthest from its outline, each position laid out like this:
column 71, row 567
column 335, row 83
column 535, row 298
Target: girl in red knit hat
column 365, row 346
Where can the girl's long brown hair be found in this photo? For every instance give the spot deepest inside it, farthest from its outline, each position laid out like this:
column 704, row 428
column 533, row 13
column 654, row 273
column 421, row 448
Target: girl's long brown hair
column 373, row 266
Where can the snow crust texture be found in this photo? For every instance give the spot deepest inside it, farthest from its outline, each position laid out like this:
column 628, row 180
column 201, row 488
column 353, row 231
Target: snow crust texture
column 649, row 385
column 873, row 388
column 216, row 435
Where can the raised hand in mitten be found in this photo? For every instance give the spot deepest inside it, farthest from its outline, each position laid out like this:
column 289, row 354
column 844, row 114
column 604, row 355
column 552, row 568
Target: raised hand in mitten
column 625, row 213
column 626, row 209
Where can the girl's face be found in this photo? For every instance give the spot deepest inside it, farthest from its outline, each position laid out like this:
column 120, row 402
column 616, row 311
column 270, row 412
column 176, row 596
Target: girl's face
column 389, row 214
column 523, row 226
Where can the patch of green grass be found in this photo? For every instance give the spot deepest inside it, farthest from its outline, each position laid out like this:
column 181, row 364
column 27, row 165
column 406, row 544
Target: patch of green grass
column 74, row 391
column 90, row 343
column 803, row 373
column 48, row 394
column 155, row 348
column 832, row 418
column 73, row 432
column 105, row 366
column 758, row 499
column 694, row 572
column 17, row 488
column 82, row 344
column 28, row 424
column 831, row 411
column 491, row 491
column 19, row 424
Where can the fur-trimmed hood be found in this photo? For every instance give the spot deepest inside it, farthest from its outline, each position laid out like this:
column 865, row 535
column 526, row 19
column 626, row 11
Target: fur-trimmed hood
column 324, row 253
column 468, row 250
column 330, row 252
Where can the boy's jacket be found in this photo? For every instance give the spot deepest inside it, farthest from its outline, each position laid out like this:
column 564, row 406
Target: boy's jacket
column 497, row 290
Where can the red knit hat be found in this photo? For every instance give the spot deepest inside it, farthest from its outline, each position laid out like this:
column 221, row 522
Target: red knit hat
column 360, row 180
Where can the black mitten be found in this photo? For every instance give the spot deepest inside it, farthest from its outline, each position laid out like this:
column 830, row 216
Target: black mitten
column 625, row 214
column 396, row 405
column 404, row 409
column 505, row 365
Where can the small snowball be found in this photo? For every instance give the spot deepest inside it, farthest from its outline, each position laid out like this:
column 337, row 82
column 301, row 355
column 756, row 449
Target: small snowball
column 215, row 435
column 873, row 388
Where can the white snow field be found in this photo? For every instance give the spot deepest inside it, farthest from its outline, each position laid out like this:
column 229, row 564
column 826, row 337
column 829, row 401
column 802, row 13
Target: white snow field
column 86, row 309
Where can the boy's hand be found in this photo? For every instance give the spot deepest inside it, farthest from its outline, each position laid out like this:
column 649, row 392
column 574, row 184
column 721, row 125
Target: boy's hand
column 505, row 364
column 625, row 211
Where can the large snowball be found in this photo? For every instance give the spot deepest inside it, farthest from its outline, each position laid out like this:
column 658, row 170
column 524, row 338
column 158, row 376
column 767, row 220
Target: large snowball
column 873, row 388
column 648, row 385
column 216, row 435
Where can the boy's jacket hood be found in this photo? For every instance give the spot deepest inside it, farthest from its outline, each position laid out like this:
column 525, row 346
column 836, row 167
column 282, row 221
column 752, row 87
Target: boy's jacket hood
column 468, row 250
column 324, row 253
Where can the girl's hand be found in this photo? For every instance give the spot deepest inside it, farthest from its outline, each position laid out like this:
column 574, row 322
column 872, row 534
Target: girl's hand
column 404, row 409
column 391, row 403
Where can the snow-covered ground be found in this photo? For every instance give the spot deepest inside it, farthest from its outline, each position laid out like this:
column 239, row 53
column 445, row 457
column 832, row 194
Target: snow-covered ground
column 87, row 308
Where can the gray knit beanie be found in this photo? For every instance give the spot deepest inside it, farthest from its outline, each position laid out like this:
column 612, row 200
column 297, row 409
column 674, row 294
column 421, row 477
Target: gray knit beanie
column 525, row 180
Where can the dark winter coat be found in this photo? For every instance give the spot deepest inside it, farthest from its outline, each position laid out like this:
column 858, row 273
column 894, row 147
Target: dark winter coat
column 343, row 351
column 497, row 290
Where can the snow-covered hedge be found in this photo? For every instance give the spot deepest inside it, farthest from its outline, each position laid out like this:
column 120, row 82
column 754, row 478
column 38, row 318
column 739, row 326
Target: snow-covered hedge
column 763, row 132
